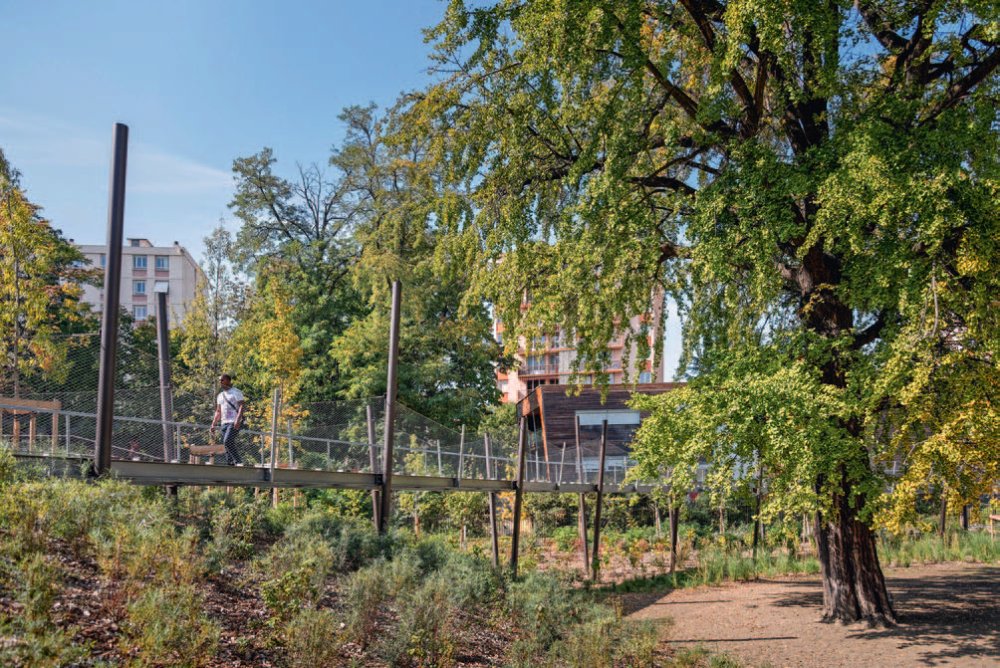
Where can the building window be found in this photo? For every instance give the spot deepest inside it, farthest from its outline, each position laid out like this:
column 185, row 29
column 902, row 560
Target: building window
column 139, row 287
column 536, row 363
column 138, row 261
column 104, row 260
column 140, row 313
column 162, row 263
column 646, row 377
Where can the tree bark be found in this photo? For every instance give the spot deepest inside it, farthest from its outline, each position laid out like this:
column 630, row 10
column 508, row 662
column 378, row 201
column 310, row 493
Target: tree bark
column 675, row 515
column 853, row 584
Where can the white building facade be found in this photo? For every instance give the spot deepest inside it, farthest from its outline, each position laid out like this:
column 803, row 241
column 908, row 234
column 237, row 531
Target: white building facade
column 143, row 267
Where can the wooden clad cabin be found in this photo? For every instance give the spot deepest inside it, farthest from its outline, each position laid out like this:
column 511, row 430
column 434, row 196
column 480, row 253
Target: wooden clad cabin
column 552, row 415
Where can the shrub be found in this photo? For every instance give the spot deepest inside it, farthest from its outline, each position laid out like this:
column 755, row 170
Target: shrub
column 8, row 465
column 543, row 606
column 474, row 581
column 235, row 525
column 606, row 642
column 354, row 543
column 30, row 638
column 293, row 573
column 567, row 539
column 367, row 591
column 425, row 633
column 165, row 626
column 311, row 639
column 146, row 552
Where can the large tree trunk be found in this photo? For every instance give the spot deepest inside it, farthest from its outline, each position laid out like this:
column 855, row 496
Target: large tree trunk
column 853, row 585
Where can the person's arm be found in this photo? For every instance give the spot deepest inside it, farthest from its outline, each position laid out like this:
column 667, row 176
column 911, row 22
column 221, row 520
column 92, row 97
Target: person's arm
column 239, row 414
column 216, row 417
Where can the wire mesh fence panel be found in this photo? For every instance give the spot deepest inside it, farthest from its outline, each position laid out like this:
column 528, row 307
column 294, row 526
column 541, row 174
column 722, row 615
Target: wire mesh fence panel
column 343, row 435
column 333, row 435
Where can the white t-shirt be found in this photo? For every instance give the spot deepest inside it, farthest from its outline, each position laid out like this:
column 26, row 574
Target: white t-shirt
column 229, row 403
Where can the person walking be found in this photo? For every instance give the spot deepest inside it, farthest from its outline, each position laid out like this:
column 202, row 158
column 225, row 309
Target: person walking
column 229, row 412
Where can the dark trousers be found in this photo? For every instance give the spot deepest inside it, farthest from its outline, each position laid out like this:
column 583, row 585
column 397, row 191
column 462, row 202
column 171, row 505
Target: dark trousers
column 229, row 434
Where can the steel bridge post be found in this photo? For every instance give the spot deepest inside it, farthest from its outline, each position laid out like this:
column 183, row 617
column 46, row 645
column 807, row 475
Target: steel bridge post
column 112, row 298
column 515, row 538
column 390, row 410
column 595, row 563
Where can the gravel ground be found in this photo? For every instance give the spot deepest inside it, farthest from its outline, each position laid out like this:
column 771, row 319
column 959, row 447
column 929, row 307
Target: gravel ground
column 949, row 616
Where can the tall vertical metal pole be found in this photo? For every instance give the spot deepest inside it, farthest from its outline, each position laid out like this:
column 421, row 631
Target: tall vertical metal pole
column 494, row 538
column 756, row 517
column 112, row 295
column 166, row 392
column 595, row 560
column 461, row 456
column 390, row 410
column 581, row 518
column 371, row 460
column 515, row 538
column 562, row 463
column 275, row 408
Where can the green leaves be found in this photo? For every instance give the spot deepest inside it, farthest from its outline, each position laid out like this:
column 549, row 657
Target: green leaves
column 814, row 185
column 40, row 290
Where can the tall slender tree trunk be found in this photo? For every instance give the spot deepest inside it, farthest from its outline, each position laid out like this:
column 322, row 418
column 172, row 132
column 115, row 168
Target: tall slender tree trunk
column 675, row 516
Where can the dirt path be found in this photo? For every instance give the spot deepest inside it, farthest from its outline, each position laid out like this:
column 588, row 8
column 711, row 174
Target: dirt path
column 949, row 613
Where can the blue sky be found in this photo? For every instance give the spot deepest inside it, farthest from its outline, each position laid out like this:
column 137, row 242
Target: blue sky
column 199, row 83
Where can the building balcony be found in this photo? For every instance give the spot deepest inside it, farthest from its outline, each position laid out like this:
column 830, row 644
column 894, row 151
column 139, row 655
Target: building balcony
column 547, row 370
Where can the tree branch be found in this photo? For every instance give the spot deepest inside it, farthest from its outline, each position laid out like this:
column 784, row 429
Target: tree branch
column 869, row 333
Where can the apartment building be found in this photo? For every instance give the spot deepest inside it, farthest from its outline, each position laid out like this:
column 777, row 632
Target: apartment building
column 145, row 268
column 549, row 361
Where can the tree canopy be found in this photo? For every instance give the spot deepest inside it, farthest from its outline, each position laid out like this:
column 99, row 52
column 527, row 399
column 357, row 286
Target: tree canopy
column 814, row 184
column 40, row 277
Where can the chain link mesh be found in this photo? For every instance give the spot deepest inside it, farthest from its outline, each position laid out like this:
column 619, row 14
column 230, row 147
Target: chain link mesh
column 57, row 415
column 329, row 436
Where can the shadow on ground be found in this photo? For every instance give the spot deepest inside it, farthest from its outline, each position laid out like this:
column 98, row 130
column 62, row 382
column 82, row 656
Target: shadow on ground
column 951, row 616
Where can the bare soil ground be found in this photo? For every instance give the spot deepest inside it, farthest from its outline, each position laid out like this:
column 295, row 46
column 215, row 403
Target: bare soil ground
column 949, row 616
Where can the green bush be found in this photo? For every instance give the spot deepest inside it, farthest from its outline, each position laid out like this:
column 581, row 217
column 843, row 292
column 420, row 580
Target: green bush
column 566, row 538
column 605, row 642
column 544, row 607
column 354, row 543
column 235, row 527
column 424, row 636
column 166, row 626
column 367, row 591
column 29, row 637
column 8, row 465
column 474, row 581
column 927, row 548
column 293, row 574
column 312, row 639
